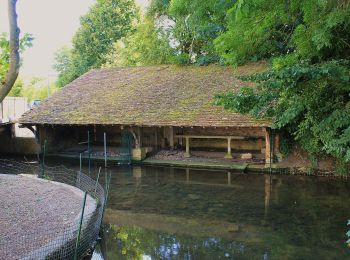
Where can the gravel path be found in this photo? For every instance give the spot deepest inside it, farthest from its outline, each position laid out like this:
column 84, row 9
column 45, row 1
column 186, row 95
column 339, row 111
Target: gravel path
column 31, row 206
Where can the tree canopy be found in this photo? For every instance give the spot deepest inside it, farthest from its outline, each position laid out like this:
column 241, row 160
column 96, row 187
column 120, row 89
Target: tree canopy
column 305, row 92
column 106, row 22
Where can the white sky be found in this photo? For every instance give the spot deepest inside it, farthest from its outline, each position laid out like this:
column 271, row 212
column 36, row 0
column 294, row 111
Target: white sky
column 52, row 23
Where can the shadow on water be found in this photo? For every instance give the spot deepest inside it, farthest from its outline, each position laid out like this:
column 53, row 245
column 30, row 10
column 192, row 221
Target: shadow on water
column 170, row 213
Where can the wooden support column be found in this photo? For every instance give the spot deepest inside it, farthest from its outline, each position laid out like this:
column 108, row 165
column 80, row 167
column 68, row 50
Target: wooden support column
column 229, row 154
column 267, row 146
column 187, row 153
column 171, row 137
column 156, row 139
column 139, row 136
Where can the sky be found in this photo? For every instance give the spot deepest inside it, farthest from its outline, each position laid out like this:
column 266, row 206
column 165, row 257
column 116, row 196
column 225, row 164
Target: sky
column 52, row 24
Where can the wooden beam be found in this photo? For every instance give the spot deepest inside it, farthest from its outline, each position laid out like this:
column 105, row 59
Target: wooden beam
column 171, row 137
column 229, row 154
column 139, row 136
column 187, row 153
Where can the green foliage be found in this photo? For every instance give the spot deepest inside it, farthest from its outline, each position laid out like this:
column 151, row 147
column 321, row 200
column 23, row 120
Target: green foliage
column 191, row 27
column 34, row 89
column 310, row 29
column 258, row 30
column 306, row 94
column 63, row 65
column 17, row 89
column 145, row 46
column 311, row 101
column 24, row 42
column 106, row 22
column 37, row 88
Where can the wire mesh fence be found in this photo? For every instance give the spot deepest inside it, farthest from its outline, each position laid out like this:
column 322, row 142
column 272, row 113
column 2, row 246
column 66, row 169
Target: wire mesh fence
column 44, row 242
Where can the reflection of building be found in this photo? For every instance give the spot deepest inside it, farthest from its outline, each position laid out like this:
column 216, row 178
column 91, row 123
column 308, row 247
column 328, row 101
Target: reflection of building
column 12, row 138
column 224, row 198
column 160, row 107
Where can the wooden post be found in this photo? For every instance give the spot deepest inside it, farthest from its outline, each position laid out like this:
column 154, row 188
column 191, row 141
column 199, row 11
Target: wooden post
column 229, row 154
column 171, row 137
column 89, row 153
column 156, row 140
column 187, row 153
column 105, row 147
column 139, row 138
column 267, row 146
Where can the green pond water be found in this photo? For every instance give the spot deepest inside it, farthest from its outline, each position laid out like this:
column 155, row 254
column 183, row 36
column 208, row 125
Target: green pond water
column 174, row 213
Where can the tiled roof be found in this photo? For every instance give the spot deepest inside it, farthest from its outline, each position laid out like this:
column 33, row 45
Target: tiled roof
column 166, row 95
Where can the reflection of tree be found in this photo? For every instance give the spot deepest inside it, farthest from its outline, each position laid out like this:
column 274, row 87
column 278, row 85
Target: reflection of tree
column 135, row 242
column 304, row 218
column 303, row 222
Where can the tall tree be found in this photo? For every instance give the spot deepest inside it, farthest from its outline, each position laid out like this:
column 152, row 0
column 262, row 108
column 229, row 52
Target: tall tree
column 106, row 22
column 14, row 60
column 192, row 26
column 144, row 46
column 307, row 92
column 10, row 50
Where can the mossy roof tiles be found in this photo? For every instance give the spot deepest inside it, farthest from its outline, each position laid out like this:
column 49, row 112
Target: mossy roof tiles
column 166, row 95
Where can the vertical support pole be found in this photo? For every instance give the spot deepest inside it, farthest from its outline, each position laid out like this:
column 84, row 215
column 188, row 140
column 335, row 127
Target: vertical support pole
column 44, row 154
column 267, row 146
column 139, row 136
column 98, row 177
column 270, row 152
column 171, row 137
column 43, row 160
column 106, row 179
column 80, row 162
column 89, row 151
column 156, row 139
column 107, row 191
column 187, row 153
column 229, row 154
column 229, row 178
column 79, row 229
column 78, row 179
column 105, row 147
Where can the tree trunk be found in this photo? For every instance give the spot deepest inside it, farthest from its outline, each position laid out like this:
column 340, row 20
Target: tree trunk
column 13, row 70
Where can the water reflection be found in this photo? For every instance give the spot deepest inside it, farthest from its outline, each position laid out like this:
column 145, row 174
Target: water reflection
column 170, row 213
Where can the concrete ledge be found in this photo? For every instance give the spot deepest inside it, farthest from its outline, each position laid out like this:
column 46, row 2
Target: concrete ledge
column 198, row 164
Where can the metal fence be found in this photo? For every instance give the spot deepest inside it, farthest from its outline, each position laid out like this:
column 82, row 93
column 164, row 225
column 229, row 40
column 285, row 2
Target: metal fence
column 71, row 241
